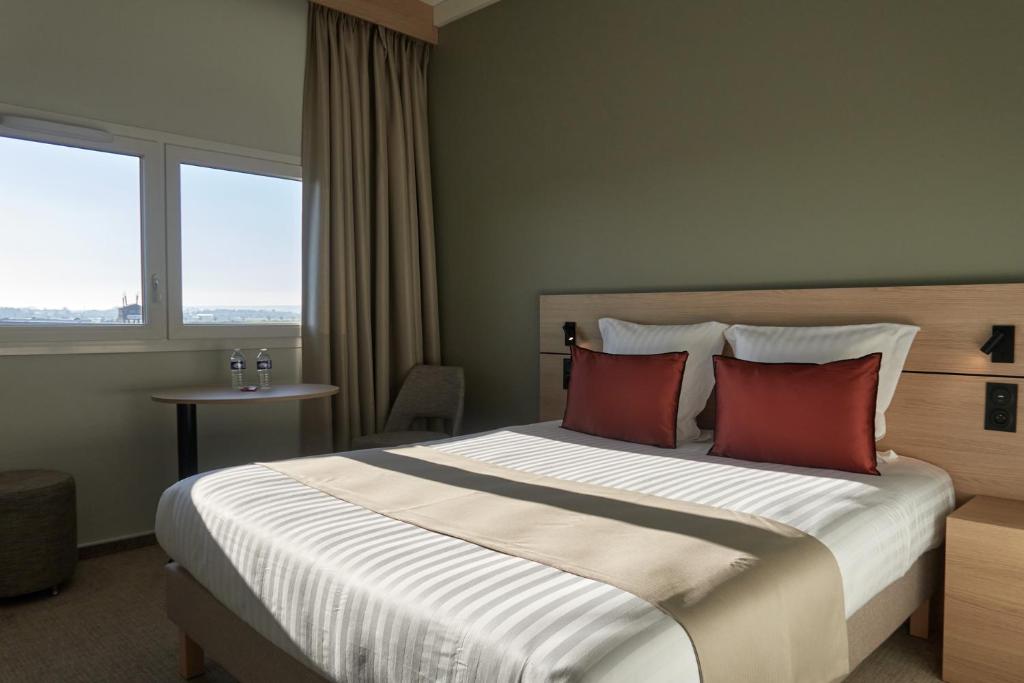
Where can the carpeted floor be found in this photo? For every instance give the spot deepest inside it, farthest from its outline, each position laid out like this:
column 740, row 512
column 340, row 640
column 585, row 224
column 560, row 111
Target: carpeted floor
column 108, row 624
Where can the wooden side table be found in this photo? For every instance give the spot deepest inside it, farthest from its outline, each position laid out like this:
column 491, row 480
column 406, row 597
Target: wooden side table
column 187, row 399
column 984, row 619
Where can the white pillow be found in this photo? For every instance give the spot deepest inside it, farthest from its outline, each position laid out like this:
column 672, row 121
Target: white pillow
column 827, row 344
column 701, row 341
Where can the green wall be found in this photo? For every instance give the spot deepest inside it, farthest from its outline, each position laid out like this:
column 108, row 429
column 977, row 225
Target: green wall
column 221, row 70
column 601, row 145
column 91, row 415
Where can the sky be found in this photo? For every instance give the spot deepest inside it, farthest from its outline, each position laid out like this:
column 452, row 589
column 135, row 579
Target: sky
column 70, row 232
column 241, row 239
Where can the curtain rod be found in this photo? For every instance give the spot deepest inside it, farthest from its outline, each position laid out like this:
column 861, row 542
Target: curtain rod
column 411, row 17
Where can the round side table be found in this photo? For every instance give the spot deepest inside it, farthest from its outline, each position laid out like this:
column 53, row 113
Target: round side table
column 187, row 399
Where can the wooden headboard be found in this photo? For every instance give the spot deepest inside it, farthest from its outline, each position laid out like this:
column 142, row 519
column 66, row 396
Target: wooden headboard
column 938, row 411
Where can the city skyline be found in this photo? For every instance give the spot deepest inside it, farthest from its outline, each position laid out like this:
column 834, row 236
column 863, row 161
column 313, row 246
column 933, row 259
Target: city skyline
column 190, row 315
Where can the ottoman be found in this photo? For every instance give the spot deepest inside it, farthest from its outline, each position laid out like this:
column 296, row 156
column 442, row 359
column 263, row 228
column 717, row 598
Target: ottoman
column 38, row 532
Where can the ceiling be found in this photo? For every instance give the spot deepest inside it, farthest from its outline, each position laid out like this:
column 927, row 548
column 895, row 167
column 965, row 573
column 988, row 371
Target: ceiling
column 447, row 11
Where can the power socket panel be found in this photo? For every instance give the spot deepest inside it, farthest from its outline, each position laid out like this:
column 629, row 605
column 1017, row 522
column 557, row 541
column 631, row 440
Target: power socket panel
column 1000, row 407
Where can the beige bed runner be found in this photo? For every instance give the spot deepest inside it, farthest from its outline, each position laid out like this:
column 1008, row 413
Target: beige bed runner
column 761, row 601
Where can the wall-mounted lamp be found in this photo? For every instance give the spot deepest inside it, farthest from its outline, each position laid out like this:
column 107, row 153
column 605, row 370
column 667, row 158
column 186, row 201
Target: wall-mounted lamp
column 570, row 333
column 1000, row 345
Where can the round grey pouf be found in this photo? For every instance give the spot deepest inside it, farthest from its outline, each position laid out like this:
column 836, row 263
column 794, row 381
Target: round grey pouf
column 38, row 531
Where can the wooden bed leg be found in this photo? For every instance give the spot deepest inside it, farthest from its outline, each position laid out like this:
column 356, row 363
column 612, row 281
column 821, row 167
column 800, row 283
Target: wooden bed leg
column 919, row 620
column 190, row 657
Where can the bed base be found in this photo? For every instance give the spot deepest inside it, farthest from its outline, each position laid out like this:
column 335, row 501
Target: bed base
column 207, row 626
column 191, row 662
column 920, row 620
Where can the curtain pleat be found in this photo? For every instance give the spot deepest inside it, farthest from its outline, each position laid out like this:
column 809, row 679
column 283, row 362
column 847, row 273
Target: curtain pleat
column 370, row 308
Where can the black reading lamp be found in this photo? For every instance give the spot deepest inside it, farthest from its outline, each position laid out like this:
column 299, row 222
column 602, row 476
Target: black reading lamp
column 1000, row 345
column 569, row 328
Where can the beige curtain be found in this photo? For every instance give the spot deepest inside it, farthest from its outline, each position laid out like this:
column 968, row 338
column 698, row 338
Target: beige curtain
column 369, row 302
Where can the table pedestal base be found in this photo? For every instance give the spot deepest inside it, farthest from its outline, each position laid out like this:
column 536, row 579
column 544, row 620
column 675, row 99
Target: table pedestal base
column 188, row 447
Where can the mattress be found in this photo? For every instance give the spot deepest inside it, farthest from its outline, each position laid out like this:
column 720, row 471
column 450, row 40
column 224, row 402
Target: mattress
column 358, row 596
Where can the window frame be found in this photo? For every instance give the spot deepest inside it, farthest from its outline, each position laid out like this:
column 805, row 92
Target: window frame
column 151, row 240
column 175, row 156
column 160, row 290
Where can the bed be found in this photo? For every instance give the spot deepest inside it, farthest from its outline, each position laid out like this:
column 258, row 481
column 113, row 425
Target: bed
column 280, row 581
column 355, row 595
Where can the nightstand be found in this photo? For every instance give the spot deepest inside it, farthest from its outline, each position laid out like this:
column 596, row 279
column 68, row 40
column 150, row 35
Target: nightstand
column 984, row 616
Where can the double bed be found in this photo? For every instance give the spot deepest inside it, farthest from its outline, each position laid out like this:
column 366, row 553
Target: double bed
column 354, row 595
column 280, row 579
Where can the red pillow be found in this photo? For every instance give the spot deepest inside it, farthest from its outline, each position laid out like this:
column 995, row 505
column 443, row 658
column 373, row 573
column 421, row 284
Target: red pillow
column 629, row 398
column 798, row 413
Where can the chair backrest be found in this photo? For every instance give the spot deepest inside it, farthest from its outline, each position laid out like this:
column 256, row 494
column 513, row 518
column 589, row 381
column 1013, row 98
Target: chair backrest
column 429, row 391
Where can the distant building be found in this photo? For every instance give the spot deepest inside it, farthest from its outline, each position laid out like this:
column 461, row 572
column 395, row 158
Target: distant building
column 130, row 314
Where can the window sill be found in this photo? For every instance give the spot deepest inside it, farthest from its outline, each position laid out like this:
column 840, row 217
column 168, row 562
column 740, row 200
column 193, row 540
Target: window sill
column 59, row 348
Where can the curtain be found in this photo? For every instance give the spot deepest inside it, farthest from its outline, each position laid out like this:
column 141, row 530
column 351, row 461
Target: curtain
column 369, row 301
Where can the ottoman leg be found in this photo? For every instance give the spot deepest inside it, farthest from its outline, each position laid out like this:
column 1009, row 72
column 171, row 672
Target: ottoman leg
column 190, row 657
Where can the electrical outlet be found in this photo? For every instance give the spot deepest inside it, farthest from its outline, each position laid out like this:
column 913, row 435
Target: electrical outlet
column 1001, row 407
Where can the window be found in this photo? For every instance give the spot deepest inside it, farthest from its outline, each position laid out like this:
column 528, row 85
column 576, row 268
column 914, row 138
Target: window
column 113, row 238
column 79, row 212
column 239, row 260
column 81, row 233
column 241, row 241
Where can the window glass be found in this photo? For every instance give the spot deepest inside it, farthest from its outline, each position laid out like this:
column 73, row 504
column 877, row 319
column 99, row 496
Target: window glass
column 70, row 236
column 241, row 240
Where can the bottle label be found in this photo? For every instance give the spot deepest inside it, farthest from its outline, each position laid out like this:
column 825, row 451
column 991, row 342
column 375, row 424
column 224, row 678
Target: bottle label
column 238, row 365
column 263, row 365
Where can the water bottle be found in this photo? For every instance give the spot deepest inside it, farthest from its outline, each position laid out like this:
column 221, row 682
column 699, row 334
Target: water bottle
column 263, row 366
column 237, row 365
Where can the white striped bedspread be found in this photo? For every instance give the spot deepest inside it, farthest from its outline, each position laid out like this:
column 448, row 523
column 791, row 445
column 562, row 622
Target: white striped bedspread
column 361, row 597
